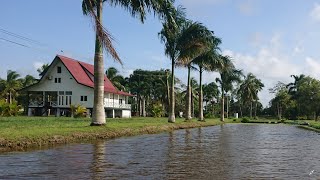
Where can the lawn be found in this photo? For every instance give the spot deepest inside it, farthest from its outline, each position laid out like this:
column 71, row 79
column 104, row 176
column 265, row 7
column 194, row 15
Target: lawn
column 19, row 133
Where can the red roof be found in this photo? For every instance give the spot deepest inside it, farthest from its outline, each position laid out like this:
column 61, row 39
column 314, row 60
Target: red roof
column 81, row 72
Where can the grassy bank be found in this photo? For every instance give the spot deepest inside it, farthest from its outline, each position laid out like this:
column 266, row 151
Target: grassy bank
column 21, row 133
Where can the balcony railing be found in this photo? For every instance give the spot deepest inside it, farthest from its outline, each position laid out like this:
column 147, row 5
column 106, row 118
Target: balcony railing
column 117, row 105
column 36, row 104
column 41, row 104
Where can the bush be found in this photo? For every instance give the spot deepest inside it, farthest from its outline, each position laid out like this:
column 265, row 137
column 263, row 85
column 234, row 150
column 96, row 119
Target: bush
column 7, row 109
column 78, row 111
column 245, row 120
column 157, row 110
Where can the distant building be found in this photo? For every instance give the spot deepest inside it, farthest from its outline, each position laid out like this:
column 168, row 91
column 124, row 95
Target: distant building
column 70, row 82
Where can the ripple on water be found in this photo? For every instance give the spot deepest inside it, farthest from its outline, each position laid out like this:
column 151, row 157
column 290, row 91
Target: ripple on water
column 233, row 151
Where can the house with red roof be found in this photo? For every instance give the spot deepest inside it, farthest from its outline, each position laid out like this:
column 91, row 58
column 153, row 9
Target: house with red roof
column 69, row 82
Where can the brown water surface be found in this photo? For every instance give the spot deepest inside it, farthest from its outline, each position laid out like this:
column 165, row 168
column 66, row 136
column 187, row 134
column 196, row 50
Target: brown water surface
column 233, row 151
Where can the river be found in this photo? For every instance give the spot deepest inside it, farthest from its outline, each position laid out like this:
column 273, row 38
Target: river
column 232, row 151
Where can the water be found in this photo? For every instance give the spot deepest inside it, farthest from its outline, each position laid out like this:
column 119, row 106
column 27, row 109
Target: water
column 232, row 151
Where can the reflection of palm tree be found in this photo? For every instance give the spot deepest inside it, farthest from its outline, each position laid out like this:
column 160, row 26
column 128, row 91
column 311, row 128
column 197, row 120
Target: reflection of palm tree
column 99, row 158
column 94, row 8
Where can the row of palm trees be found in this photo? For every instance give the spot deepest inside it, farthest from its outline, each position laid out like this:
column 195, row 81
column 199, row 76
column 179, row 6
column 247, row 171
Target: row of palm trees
column 187, row 43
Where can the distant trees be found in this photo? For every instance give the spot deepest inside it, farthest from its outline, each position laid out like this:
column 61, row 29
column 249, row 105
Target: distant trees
column 299, row 99
column 248, row 91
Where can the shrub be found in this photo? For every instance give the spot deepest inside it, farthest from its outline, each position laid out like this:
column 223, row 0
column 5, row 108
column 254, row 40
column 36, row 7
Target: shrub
column 78, row 111
column 157, row 110
column 245, row 120
column 7, row 109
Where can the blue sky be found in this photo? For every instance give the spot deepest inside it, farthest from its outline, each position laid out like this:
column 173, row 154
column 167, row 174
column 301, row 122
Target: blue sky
column 270, row 38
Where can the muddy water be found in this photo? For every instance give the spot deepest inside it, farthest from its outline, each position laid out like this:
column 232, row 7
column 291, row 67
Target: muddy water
column 232, row 151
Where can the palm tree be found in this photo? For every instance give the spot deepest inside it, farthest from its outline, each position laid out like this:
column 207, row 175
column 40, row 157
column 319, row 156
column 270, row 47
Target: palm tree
column 42, row 69
column 169, row 36
column 208, row 61
column 94, row 8
column 195, row 40
column 11, row 84
column 228, row 75
column 249, row 89
column 210, row 94
column 116, row 79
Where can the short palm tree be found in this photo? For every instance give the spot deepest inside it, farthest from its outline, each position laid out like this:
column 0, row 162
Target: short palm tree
column 11, row 85
column 249, row 89
column 116, row 79
column 94, row 8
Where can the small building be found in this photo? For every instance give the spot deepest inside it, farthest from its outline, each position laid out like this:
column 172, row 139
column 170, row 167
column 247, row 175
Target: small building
column 69, row 82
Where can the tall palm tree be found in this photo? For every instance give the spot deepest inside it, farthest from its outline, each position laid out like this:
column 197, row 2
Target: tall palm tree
column 94, row 8
column 196, row 40
column 228, row 75
column 169, row 35
column 208, row 61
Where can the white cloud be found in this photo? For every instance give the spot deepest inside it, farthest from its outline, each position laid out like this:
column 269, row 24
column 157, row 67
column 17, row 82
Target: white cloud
column 312, row 67
column 315, row 13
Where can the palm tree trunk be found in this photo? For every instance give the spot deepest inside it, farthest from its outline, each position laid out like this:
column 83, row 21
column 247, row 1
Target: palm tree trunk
column 172, row 117
column 255, row 109
column 98, row 117
column 227, row 106
column 168, row 87
column 200, row 97
column 279, row 114
column 188, row 100
column 144, row 114
column 250, row 109
column 222, row 104
column 10, row 97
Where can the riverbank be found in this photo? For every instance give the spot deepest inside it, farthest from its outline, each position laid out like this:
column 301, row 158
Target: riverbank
column 305, row 124
column 23, row 133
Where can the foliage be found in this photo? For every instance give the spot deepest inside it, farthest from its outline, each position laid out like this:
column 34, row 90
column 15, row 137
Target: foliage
column 157, row 110
column 245, row 120
column 78, row 111
column 7, row 109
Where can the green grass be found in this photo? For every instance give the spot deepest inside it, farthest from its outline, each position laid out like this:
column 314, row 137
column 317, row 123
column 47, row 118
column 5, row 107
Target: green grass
column 23, row 132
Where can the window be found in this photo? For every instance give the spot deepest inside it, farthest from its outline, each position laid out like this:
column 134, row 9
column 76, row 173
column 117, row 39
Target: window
column 69, row 93
column 84, row 98
column 59, row 69
column 120, row 101
column 57, row 80
column 61, row 92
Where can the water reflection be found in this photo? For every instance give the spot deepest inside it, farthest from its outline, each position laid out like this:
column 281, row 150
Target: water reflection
column 220, row 152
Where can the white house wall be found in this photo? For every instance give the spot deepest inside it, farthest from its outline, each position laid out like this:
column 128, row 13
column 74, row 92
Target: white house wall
column 68, row 83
